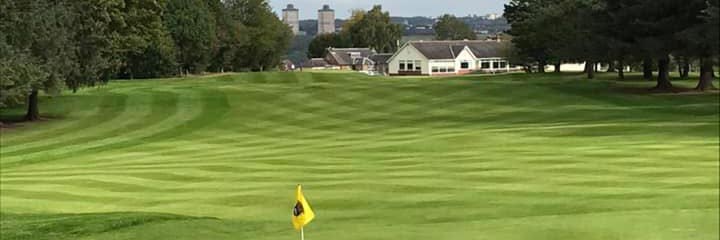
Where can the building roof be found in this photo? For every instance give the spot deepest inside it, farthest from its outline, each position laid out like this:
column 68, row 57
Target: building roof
column 346, row 56
column 290, row 7
column 381, row 57
column 315, row 62
column 326, row 8
column 450, row 49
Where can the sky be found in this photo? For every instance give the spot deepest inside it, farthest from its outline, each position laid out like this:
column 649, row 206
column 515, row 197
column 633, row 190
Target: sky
column 402, row 8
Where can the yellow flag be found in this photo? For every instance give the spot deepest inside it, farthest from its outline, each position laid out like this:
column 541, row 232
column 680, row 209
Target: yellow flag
column 302, row 214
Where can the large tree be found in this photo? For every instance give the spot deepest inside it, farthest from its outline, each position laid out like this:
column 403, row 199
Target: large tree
column 35, row 51
column 702, row 41
column 373, row 29
column 270, row 37
column 320, row 43
column 449, row 27
column 528, row 28
column 192, row 27
column 144, row 46
column 657, row 23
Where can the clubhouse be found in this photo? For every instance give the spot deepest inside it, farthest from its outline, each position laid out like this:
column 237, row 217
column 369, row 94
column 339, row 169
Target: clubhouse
column 448, row 58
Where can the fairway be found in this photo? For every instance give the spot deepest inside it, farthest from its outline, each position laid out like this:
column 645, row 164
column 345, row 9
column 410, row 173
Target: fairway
column 477, row 157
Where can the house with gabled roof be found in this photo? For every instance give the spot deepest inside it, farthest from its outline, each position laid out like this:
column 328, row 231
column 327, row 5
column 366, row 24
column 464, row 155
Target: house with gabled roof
column 449, row 58
column 349, row 58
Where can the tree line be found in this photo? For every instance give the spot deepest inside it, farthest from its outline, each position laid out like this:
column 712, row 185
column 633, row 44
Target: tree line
column 648, row 33
column 365, row 29
column 52, row 45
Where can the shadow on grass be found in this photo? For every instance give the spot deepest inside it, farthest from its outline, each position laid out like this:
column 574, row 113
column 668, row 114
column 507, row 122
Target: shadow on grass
column 73, row 226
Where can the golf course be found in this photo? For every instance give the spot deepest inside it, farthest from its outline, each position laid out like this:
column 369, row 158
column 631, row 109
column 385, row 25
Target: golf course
column 514, row 156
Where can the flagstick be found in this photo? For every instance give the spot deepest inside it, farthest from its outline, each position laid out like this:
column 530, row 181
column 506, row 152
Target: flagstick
column 302, row 233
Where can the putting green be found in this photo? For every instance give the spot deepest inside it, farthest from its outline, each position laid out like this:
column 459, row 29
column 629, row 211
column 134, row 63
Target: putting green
column 474, row 157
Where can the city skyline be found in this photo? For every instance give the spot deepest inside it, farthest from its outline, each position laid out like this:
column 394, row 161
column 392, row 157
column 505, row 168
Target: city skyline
column 343, row 8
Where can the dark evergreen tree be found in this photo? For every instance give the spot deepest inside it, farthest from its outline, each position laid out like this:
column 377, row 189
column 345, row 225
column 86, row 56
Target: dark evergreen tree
column 448, row 27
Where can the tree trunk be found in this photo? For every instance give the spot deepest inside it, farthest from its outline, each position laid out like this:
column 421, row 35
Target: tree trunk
column 706, row 78
column 611, row 66
column 557, row 66
column 541, row 66
column 621, row 70
column 663, row 80
column 647, row 69
column 590, row 69
column 33, row 113
column 685, row 69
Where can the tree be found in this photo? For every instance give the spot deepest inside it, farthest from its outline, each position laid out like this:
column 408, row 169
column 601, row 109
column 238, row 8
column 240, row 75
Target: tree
column 144, row 46
column 35, row 51
column 270, row 36
column 230, row 33
column 657, row 23
column 702, row 42
column 192, row 27
column 448, row 27
column 321, row 42
column 94, row 34
column 373, row 29
column 528, row 30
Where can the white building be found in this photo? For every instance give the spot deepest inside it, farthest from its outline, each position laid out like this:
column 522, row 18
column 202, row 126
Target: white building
column 291, row 17
column 448, row 58
column 492, row 16
column 326, row 20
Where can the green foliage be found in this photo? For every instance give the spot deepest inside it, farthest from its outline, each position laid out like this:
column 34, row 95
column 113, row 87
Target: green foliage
column 192, row 27
column 320, row 43
column 270, row 36
column 448, row 27
column 95, row 34
column 373, row 29
column 298, row 51
column 530, row 37
column 35, row 51
column 144, row 47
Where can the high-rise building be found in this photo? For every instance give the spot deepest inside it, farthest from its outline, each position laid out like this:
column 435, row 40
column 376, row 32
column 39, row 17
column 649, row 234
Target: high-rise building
column 291, row 16
column 326, row 20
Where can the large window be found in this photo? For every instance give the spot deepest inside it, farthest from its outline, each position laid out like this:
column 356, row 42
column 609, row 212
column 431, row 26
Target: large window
column 496, row 64
column 503, row 64
column 485, row 65
column 464, row 65
column 402, row 65
column 410, row 66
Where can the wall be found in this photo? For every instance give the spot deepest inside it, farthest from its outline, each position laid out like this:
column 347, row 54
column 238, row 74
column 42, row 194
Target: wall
column 408, row 53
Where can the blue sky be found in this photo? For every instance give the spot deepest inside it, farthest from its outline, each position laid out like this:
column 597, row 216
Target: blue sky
column 405, row 8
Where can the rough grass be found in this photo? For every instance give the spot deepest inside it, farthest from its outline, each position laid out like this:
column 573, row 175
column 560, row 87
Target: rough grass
column 474, row 157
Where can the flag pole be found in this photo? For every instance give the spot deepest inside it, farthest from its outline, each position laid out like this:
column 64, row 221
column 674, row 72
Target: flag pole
column 302, row 233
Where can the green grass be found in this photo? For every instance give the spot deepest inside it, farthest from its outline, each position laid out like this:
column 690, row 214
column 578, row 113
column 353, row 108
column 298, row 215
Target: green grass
column 476, row 157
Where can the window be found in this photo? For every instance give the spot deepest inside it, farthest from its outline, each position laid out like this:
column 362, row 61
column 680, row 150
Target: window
column 410, row 66
column 451, row 69
column 503, row 64
column 435, row 69
column 443, row 69
column 464, row 65
column 485, row 65
column 418, row 65
column 402, row 65
column 496, row 65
